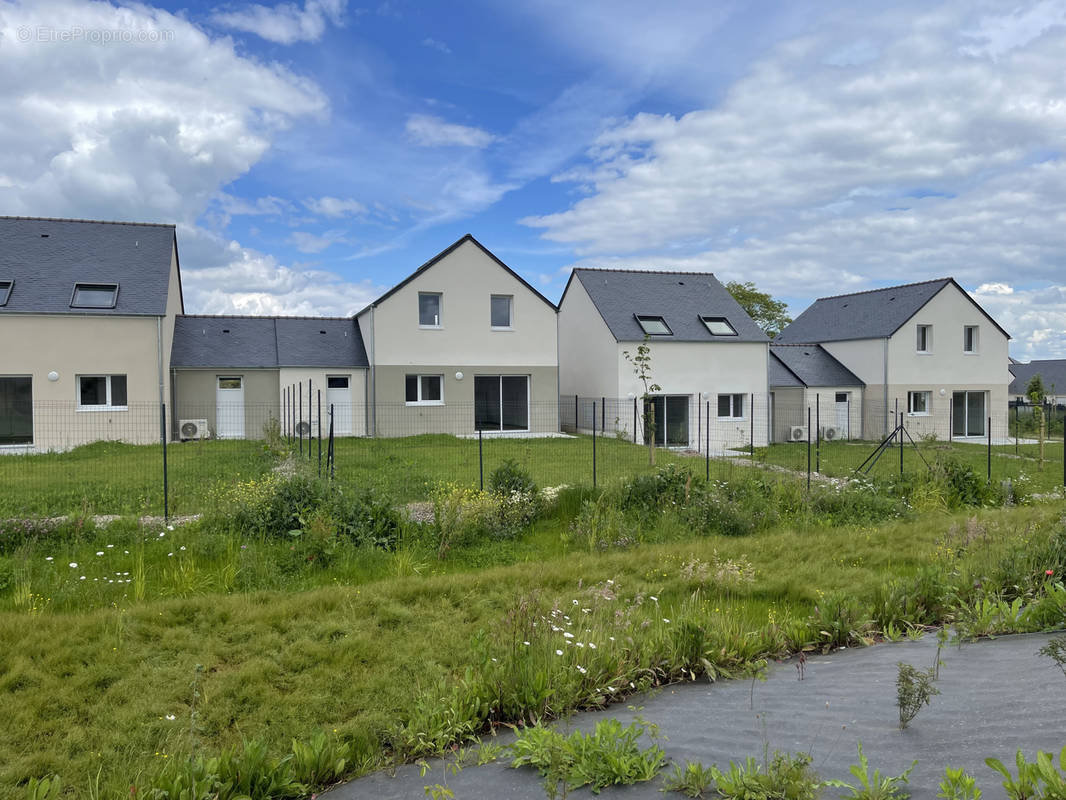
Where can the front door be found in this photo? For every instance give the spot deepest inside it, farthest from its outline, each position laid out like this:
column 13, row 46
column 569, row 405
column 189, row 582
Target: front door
column 670, row 419
column 968, row 414
column 339, row 398
column 843, row 404
column 230, row 407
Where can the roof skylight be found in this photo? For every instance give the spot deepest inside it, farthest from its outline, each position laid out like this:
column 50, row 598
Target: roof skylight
column 94, row 295
column 719, row 326
column 653, row 326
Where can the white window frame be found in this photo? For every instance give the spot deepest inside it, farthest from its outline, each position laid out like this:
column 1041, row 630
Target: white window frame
column 928, row 338
column 733, row 416
column 420, row 402
column 107, row 383
column 440, row 311
column 976, row 339
column 928, row 395
column 510, row 312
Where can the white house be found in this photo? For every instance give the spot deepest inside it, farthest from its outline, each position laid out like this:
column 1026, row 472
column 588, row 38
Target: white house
column 811, row 393
column 926, row 350
column 462, row 344
column 707, row 355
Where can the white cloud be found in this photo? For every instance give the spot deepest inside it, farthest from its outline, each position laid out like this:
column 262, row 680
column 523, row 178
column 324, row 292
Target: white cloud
column 315, row 243
column 811, row 178
column 1035, row 318
column 996, row 35
column 431, row 131
column 437, row 45
column 335, row 206
column 285, row 23
column 994, row 288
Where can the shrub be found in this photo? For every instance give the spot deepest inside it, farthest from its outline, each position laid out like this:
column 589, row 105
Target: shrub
column 667, row 487
column 784, row 778
column 601, row 526
column 510, row 477
column 463, row 515
column 914, row 689
column 610, row 755
column 963, row 486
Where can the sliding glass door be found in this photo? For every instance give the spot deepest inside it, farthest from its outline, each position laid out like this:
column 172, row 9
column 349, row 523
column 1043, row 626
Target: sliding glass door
column 671, row 419
column 16, row 410
column 968, row 414
column 501, row 402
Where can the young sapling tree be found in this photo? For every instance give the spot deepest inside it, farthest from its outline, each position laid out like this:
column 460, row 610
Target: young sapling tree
column 642, row 369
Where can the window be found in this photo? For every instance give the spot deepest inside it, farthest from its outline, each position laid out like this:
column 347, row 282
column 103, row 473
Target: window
column 336, row 381
column 969, row 339
column 101, row 392
column 424, row 389
column 918, row 402
column 719, row 326
column 429, row 310
column 16, row 410
column 730, row 406
column 501, row 402
column 925, row 338
column 500, row 310
column 94, row 295
column 5, row 291
column 654, row 326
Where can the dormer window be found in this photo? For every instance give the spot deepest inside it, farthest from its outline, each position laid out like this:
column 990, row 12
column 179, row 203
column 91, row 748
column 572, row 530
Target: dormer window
column 429, row 308
column 94, row 295
column 654, row 326
column 5, row 291
column 718, row 326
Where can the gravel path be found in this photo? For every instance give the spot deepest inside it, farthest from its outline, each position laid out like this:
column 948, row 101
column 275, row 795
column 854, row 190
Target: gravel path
column 996, row 696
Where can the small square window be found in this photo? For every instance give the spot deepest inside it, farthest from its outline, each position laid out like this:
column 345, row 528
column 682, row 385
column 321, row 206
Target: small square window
column 730, row 406
column 719, row 326
column 94, row 295
column 654, row 326
column 427, row 389
column 925, row 338
column 501, row 310
column 5, row 291
column 969, row 339
column 918, row 402
column 429, row 309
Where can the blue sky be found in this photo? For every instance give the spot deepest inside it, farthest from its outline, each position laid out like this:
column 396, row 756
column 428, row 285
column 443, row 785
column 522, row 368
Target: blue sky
column 313, row 153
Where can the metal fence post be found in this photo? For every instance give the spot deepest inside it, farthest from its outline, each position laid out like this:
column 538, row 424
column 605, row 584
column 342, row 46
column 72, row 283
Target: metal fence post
column 299, row 430
column 808, row 449
column 990, row 449
column 320, row 433
column 817, row 432
column 480, row 461
column 751, row 435
column 332, row 455
column 707, row 455
column 593, row 444
column 603, row 415
column 634, row 420
column 309, row 396
column 577, row 412
column 163, row 438
column 900, row 434
column 699, row 421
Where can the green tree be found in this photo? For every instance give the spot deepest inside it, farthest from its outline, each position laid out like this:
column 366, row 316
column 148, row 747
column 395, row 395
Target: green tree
column 1037, row 394
column 642, row 369
column 769, row 314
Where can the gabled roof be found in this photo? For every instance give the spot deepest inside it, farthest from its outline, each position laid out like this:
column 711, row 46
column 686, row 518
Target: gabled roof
column 1052, row 372
column 447, row 251
column 46, row 257
column 874, row 314
column 267, row 342
column 809, row 365
column 680, row 298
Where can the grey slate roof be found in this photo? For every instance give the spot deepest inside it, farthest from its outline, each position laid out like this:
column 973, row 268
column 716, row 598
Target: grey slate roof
column 875, row 314
column 1052, row 372
column 267, row 342
column 46, row 257
column 810, row 365
column 680, row 298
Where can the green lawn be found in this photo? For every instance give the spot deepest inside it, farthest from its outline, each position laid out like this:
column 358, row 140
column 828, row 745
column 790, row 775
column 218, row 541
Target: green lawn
column 842, row 458
column 115, row 478
column 98, row 678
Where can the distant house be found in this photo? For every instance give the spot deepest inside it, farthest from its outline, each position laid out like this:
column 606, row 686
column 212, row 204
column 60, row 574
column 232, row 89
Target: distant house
column 462, row 344
column 707, row 354
column 1051, row 371
column 804, row 376
column 234, row 374
column 926, row 350
column 87, row 314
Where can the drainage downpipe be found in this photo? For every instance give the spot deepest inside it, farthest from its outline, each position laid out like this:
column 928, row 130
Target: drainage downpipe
column 159, row 347
column 884, row 361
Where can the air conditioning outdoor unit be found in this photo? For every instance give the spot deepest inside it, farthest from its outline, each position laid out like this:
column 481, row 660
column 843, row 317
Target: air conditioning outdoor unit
column 830, row 432
column 797, row 433
column 303, row 428
column 193, row 429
